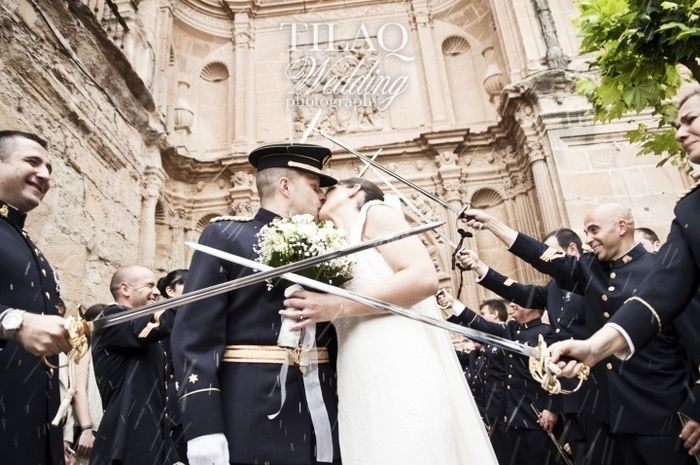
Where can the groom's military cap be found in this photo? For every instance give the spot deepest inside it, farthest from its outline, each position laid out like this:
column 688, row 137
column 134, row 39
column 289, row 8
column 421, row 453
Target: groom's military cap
column 305, row 157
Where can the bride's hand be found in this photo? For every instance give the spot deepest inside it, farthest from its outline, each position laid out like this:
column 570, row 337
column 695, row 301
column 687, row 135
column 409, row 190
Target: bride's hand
column 309, row 308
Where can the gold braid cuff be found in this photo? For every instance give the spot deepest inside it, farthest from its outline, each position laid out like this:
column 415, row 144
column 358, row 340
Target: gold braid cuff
column 649, row 307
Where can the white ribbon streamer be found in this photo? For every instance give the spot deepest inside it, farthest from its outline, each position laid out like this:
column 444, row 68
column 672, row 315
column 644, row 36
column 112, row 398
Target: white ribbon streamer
column 314, row 400
column 312, row 390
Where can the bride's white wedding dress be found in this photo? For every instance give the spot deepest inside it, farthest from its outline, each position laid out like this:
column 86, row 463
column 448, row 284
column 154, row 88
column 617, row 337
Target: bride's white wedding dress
column 403, row 399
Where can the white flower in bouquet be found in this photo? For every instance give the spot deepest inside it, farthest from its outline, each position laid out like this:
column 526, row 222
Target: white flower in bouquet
column 288, row 240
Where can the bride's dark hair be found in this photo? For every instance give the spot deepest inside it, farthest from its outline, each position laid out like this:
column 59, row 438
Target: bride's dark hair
column 370, row 189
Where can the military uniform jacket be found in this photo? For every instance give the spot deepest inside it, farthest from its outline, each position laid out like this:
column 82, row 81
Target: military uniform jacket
column 236, row 398
column 472, row 364
column 29, row 392
column 688, row 326
column 566, row 312
column 129, row 366
column 493, row 392
column 644, row 392
column 521, row 389
column 674, row 280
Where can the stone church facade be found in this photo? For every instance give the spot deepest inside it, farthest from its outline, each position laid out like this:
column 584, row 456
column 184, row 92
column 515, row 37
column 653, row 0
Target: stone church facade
column 151, row 107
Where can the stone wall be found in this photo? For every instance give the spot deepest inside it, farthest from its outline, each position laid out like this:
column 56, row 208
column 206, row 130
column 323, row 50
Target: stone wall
column 61, row 77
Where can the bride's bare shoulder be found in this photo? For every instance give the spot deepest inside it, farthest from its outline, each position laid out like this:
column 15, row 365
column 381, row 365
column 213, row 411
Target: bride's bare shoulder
column 383, row 219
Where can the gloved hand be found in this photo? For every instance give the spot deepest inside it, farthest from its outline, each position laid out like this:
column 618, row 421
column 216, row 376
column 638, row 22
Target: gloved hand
column 210, row 449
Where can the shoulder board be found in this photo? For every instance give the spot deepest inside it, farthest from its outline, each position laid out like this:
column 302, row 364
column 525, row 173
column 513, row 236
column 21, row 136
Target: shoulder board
column 238, row 219
column 689, row 191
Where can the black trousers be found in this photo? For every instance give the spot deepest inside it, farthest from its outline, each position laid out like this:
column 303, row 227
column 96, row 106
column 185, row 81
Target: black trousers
column 529, row 447
column 652, row 450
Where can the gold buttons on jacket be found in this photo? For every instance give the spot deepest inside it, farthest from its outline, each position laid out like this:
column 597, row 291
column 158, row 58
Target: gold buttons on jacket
column 609, row 366
column 604, row 298
column 611, row 288
column 606, row 314
column 613, row 275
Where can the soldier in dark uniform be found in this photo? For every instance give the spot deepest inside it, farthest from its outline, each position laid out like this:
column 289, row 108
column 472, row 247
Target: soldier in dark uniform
column 225, row 348
column 566, row 311
column 639, row 397
column 29, row 321
column 671, row 287
column 129, row 366
column 525, row 442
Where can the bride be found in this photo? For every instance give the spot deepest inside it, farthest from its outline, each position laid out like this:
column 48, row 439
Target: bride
column 402, row 397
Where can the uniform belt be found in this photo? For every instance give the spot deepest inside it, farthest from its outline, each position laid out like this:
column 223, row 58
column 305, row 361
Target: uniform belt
column 274, row 354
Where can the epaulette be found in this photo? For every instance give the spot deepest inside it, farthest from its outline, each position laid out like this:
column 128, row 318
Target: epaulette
column 689, row 191
column 238, row 219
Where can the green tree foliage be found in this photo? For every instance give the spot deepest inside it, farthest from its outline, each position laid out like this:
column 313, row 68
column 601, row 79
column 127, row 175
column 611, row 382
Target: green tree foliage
column 637, row 47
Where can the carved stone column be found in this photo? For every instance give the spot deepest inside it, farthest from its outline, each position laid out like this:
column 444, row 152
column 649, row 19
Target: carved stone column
column 152, row 184
column 421, row 16
column 243, row 81
column 177, row 257
column 163, row 74
column 525, row 219
column 543, row 185
column 515, row 57
column 243, row 194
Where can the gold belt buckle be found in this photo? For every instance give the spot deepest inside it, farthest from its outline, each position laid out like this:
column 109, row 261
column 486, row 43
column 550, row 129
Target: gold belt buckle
column 295, row 358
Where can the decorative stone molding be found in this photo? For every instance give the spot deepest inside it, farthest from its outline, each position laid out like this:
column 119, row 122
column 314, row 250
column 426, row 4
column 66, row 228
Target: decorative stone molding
column 493, row 77
column 215, row 71
column 214, row 20
column 243, row 194
column 184, row 116
column 455, row 45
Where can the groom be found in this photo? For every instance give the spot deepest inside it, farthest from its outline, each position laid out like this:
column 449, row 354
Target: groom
column 225, row 352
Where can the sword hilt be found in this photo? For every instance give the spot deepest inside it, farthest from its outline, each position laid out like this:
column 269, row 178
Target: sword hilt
column 546, row 373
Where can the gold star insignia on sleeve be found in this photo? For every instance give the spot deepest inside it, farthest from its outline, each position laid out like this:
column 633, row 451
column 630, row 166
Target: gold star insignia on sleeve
column 550, row 254
column 508, row 282
column 193, row 378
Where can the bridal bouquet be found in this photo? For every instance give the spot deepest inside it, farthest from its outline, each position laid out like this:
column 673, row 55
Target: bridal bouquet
column 288, row 240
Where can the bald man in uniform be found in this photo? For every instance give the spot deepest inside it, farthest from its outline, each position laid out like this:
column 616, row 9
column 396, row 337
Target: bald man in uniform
column 130, row 372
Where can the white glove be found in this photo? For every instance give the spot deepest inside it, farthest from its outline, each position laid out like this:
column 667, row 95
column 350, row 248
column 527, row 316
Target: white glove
column 210, row 449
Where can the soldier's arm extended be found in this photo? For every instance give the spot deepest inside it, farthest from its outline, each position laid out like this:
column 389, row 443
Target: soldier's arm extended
column 528, row 296
column 135, row 333
column 465, row 316
column 566, row 270
column 665, row 293
column 525, row 295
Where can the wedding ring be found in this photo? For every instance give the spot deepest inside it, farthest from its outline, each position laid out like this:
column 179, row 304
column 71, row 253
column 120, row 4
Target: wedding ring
column 301, row 316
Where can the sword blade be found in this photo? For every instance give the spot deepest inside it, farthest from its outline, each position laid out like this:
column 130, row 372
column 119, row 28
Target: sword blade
column 391, row 173
column 217, row 289
column 376, row 303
